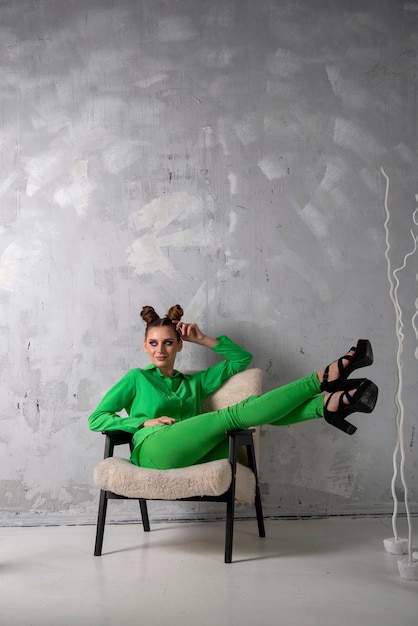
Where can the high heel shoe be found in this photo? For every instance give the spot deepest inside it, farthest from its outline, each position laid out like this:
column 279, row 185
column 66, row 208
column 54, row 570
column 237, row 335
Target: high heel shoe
column 362, row 358
column 362, row 401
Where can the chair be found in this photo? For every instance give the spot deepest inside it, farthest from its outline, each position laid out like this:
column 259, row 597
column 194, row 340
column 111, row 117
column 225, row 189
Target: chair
column 225, row 480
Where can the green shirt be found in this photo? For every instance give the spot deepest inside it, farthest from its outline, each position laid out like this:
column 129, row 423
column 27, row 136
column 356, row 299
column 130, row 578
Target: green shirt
column 146, row 393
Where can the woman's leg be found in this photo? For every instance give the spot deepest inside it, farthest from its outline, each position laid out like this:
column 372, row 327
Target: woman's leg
column 306, row 411
column 187, row 443
column 221, row 451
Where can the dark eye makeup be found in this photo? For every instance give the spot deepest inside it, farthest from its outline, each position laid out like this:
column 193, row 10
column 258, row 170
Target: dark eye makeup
column 167, row 342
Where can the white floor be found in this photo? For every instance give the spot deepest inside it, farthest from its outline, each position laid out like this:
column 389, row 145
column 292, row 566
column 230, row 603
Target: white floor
column 311, row 572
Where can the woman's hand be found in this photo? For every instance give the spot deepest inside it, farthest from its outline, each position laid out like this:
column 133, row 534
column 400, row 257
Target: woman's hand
column 164, row 420
column 192, row 333
column 189, row 332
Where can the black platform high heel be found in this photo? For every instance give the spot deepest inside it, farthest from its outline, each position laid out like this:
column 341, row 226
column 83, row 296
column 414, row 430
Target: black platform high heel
column 362, row 401
column 362, row 358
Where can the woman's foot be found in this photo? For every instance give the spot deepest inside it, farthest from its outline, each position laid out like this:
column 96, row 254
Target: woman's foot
column 334, row 376
column 338, row 405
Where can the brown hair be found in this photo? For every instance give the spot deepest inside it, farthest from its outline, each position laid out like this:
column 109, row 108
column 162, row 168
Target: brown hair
column 152, row 319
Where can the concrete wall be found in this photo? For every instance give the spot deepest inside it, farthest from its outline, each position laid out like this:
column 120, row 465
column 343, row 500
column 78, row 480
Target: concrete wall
column 226, row 155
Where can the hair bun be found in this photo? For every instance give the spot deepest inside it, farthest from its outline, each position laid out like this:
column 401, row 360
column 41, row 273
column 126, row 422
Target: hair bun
column 149, row 314
column 175, row 312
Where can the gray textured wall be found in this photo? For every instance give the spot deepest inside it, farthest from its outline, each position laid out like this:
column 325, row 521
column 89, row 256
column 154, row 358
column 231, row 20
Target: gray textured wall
column 225, row 154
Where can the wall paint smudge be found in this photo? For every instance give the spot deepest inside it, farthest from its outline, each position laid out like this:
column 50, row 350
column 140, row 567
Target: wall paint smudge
column 146, row 254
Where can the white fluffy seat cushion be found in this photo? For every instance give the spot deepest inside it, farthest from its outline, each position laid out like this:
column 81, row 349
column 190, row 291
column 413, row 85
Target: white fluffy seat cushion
column 207, row 479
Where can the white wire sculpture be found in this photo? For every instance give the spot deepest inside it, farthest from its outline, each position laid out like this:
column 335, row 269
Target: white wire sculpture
column 408, row 567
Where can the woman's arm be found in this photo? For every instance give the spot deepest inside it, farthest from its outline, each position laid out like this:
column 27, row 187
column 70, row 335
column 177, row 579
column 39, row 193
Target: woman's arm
column 236, row 358
column 192, row 333
column 120, row 397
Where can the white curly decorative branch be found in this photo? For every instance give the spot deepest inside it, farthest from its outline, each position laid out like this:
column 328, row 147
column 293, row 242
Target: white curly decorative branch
column 400, row 412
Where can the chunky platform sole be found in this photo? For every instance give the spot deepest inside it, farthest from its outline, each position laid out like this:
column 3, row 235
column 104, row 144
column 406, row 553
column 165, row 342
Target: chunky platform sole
column 363, row 401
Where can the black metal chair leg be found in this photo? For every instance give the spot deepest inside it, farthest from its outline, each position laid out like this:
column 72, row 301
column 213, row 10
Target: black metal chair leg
column 144, row 514
column 230, row 504
column 101, row 519
column 259, row 512
column 229, row 533
column 258, row 507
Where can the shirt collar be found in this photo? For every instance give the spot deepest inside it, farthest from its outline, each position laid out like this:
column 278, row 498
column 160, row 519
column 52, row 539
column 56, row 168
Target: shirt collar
column 176, row 373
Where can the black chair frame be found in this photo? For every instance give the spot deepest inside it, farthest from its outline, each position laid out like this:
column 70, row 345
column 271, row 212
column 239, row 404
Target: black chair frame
column 237, row 439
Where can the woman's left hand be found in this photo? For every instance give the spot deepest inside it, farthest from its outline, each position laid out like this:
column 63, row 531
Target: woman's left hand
column 192, row 333
column 189, row 332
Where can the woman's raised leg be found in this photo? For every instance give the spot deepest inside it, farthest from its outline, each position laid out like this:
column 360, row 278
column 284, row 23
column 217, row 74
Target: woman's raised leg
column 188, row 442
column 201, row 437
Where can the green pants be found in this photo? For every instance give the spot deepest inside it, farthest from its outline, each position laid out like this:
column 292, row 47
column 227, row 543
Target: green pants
column 202, row 438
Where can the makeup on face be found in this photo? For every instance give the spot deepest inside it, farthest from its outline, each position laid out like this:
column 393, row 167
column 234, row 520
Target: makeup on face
column 162, row 346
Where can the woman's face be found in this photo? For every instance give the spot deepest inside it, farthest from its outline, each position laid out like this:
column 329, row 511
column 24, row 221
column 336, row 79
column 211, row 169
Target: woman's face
column 162, row 345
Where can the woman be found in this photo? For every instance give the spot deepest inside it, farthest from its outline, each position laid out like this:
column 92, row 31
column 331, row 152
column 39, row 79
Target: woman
column 163, row 405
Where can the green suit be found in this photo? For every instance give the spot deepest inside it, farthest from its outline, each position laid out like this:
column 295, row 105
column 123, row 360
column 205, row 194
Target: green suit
column 195, row 437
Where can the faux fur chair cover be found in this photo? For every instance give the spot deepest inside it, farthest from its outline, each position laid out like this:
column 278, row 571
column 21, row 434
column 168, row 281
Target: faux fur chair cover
column 207, row 479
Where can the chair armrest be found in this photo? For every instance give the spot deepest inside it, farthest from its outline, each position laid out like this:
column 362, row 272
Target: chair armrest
column 239, row 431
column 241, row 438
column 118, row 437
